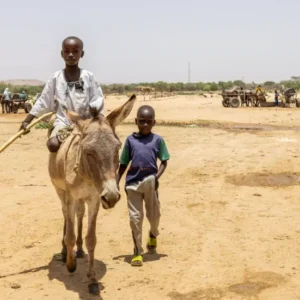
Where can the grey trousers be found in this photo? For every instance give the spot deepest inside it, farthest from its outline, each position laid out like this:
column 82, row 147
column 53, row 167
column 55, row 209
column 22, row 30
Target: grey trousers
column 136, row 193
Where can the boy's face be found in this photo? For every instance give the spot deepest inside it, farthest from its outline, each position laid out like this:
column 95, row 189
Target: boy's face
column 145, row 121
column 72, row 52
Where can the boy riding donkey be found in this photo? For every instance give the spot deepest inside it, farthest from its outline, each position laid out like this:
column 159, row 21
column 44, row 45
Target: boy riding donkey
column 75, row 89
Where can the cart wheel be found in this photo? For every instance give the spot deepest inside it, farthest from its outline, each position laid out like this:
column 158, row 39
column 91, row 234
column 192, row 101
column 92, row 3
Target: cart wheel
column 234, row 102
column 14, row 108
column 28, row 107
column 225, row 102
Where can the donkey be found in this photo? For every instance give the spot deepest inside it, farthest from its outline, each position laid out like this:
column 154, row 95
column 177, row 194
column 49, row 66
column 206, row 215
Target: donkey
column 84, row 171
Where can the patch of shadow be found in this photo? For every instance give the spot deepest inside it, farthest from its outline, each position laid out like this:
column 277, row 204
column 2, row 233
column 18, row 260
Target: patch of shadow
column 147, row 257
column 201, row 294
column 33, row 270
column 264, row 179
column 77, row 282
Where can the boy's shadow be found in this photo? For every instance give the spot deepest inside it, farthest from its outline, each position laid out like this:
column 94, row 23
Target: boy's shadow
column 77, row 281
column 147, row 257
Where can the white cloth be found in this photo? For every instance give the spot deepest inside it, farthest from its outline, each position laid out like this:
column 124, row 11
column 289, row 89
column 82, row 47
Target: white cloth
column 6, row 95
column 73, row 99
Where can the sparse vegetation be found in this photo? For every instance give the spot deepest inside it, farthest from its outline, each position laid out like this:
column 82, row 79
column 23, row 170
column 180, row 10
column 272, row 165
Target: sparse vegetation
column 30, row 90
column 42, row 125
column 161, row 86
column 196, row 87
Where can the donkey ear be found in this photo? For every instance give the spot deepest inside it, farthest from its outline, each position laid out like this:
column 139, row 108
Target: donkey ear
column 120, row 114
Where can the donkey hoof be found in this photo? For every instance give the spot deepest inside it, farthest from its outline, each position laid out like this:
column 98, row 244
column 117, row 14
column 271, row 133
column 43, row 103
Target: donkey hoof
column 60, row 257
column 80, row 254
column 71, row 266
column 94, row 288
column 64, row 257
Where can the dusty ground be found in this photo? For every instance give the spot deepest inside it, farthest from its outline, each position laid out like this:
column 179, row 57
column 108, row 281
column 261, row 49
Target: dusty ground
column 230, row 224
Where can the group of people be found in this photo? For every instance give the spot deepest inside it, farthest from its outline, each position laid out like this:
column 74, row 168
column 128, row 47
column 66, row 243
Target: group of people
column 276, row 94
column 6, row 100
column 77, row 90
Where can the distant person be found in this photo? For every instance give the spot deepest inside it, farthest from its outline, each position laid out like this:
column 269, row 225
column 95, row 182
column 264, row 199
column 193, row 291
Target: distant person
column 142, row 149
column 23, row 95
column 75, row 89
column 276, row 98
column 6, row 97
column 259, row 90
column 2, row 103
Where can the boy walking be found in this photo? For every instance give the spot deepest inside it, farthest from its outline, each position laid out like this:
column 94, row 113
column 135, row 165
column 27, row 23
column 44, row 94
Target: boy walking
column 74, row 87
column 142, row 149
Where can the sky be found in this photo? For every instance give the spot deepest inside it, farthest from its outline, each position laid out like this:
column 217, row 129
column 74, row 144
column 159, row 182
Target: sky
column 146, row 41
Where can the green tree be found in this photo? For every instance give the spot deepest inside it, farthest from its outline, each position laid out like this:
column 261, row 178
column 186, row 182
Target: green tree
column 214, row 86
column 239, row 83
column 207, row 87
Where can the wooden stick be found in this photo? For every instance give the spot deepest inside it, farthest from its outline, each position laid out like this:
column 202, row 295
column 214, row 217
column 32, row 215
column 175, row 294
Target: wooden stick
column 12, row 139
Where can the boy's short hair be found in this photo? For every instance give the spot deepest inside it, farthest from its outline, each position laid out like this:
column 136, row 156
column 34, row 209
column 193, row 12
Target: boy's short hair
column 73, row 38
column 146, row 107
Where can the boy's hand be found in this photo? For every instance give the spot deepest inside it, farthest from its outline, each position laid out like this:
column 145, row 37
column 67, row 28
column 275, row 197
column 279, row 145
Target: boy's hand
column 26, row 122
column 156, row 182
column 24, row 126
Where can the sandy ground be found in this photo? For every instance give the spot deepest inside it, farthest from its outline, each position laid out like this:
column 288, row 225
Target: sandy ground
column 230, row 224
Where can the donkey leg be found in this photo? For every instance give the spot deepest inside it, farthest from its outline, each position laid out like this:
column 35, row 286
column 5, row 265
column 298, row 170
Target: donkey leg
column 64, row 247
column 90, row 241
column 62, row 256
column 70, row 237
column 80, row 210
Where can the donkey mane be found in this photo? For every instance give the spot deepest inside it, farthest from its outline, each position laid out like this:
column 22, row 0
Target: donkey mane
column 94, row 112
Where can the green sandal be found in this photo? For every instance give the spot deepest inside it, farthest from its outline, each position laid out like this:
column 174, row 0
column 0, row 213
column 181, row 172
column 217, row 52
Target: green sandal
column 137, row 261
column 151, row 245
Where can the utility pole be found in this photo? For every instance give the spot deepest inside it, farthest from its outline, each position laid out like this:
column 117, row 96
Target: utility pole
column 189, row 72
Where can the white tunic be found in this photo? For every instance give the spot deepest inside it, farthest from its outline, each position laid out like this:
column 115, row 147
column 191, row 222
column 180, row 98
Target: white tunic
column 73, row 99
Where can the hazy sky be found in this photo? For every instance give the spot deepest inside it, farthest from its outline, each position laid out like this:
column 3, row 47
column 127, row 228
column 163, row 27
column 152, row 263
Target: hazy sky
column 136, row 41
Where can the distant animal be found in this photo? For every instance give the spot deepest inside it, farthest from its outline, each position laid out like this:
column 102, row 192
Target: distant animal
column 145, row 90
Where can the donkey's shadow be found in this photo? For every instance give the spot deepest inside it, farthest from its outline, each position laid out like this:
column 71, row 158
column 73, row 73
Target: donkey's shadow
column 77, row 281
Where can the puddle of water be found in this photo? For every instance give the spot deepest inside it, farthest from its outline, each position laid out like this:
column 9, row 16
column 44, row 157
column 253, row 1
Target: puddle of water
column 265, row 180
column 201, row 294
column 255, row 283
column 256, row 127
column 249, row 288
column 266, row 277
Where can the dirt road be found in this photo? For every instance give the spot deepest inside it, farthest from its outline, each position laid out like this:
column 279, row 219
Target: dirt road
column 230, row 226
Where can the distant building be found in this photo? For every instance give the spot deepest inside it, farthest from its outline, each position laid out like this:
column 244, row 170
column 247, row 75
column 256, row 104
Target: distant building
column 296, row 78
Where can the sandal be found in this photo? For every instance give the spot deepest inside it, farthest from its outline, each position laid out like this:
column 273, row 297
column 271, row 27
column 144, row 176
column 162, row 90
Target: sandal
column 137, row 261
column 152, row 244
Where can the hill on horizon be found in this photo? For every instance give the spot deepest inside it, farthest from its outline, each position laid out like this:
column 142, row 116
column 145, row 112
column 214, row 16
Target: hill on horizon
column 29, row 82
